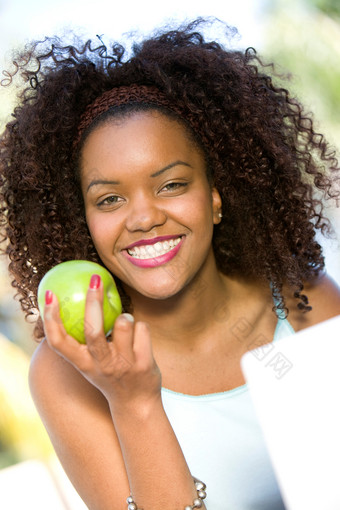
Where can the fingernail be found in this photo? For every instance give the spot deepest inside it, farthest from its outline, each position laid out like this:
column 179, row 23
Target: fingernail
column 126, row 317
column 48, row 297
column 95, row 282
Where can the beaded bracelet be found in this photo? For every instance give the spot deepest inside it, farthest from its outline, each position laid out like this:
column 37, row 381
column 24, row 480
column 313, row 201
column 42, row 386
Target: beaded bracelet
column 197, row 503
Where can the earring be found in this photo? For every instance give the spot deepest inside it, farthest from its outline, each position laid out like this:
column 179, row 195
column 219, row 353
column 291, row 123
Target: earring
column 220, row 215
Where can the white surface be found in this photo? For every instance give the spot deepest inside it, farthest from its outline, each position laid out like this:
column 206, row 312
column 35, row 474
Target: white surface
column 295, row 386
column 33, row 485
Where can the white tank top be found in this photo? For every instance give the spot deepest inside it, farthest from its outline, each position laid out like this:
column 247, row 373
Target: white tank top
column 224, row 447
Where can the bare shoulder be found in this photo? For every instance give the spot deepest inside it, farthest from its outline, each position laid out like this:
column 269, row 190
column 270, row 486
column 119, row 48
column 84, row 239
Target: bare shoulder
column 78, row 420
column 324, row 297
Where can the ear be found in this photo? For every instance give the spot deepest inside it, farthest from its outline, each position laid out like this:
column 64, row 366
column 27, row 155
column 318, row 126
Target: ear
column 216, row 206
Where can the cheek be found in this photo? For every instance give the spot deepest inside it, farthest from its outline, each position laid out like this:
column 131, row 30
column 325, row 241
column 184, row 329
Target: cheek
column 199, row 208
column 99, row 229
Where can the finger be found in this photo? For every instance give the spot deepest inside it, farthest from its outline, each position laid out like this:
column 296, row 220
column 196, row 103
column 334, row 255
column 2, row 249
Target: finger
column 142, row 344
column 123, row 336
column 94, row 321
column 53, row 325
column 56, row 335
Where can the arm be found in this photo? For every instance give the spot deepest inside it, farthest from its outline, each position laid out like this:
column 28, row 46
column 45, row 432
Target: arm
column 78, row 421
column 136, row 443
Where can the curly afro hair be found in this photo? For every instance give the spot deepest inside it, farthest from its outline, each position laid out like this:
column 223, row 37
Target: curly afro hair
column 269, row 165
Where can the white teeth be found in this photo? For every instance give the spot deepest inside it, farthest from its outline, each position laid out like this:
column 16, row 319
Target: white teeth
column 150, row 250
column 153, row 250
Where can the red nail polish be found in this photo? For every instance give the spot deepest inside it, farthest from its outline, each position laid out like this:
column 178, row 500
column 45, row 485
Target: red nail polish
column 95, row 282
column 48, row 297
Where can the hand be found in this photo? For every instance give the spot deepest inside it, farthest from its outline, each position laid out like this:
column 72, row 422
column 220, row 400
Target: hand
column 123, row 369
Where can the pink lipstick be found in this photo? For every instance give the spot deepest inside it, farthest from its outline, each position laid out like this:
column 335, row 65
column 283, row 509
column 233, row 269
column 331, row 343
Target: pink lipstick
column 157, row 260
column 154, row 240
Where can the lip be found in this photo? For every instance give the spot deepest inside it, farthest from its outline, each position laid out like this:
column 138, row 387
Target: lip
column 155, row 261
column 154, row 240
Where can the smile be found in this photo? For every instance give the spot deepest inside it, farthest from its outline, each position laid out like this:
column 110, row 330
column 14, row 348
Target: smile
column 153, row 255
column 150, row 251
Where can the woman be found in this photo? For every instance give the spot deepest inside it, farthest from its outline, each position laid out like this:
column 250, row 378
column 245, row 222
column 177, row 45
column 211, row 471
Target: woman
column 189, row 175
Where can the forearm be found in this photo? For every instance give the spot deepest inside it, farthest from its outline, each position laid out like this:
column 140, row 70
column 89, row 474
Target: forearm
column 155, row 466
column 158, row 474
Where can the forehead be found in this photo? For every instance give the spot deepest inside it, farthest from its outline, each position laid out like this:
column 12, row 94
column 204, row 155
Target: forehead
column 125, row 112
column 137, row 135
column 150, row 117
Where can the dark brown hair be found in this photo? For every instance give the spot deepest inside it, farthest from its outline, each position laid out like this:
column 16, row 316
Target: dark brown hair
column 265, row 157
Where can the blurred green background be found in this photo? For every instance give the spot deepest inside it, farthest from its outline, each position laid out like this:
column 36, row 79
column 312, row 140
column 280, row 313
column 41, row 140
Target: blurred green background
column 303, row 38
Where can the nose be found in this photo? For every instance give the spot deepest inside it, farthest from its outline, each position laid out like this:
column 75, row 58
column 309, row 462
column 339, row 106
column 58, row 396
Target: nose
column 144, row 214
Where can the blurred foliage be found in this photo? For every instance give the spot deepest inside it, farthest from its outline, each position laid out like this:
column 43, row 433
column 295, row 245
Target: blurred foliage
column 12, row 320
column 302, row 38
column 22, row 435
column 305, row 41
column 329, row 7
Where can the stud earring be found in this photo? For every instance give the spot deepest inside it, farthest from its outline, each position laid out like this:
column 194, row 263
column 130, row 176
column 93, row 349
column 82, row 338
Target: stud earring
column 220, row 215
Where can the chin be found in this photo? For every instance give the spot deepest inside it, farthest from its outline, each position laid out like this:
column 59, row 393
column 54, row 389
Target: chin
column 161, row 294
column 158, row 293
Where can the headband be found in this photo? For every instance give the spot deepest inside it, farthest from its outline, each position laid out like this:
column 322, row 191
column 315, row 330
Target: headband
column 134, row 94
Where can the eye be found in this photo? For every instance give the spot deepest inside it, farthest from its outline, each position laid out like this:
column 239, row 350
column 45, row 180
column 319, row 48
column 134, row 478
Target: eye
column 174, row 186
column 110, row 200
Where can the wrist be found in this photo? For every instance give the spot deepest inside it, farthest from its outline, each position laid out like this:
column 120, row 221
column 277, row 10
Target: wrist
column 142, row 410
column 198, row 501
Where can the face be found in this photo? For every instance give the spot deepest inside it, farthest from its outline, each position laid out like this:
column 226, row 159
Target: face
column 149, row 206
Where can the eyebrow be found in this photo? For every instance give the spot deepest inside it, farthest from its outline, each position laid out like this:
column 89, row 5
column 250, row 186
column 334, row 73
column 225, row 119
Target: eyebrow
column 156, row 174
column 176, row 163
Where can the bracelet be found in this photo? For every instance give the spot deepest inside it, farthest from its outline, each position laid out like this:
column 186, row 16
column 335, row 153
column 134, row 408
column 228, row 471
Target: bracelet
column 197, row 503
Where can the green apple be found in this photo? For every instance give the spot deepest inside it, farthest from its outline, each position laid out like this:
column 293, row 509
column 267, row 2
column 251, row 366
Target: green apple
column 69, row 281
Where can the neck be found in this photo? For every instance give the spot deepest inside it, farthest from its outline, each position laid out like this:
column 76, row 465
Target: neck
column 193, row 315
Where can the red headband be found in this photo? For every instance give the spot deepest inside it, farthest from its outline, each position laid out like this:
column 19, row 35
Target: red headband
column 130, row 94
